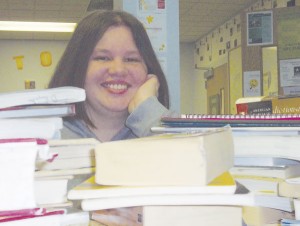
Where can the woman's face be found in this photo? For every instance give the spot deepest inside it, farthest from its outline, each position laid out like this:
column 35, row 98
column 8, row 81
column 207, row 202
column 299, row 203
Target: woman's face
column 115, row 71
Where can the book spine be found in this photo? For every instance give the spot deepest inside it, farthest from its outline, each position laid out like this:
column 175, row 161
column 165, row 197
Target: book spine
column 22, row 212
column 286, row 105
column 261, row 107
column 31, row 215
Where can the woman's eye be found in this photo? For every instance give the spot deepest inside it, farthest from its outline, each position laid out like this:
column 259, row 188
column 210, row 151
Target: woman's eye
column 102, row 58
column 132, row 59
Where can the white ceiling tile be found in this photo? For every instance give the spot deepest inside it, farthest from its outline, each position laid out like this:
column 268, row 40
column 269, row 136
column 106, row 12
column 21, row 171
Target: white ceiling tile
column 197, row 17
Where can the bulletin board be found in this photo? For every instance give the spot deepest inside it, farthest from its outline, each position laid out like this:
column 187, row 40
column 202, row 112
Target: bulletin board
column 288, row 25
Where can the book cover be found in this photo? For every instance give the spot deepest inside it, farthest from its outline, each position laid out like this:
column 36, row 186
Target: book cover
column 60, row 95
column 167, row 159
column 224, row 184
column 28, row 111
column 261, row 107
column 17, row 161
column 249, row 199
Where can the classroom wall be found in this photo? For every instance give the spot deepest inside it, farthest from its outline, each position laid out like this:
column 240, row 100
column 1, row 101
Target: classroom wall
column 28, row 51
column 212, row 50
column 192, row 84
column 13, row 79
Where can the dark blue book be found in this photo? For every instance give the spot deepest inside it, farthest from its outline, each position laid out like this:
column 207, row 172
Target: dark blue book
column 270, row 120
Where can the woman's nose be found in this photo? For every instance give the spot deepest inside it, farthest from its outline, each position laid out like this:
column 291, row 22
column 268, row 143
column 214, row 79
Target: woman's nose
column 117, row 67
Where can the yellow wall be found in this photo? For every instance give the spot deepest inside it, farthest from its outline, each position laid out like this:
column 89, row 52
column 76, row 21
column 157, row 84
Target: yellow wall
column 12, row 78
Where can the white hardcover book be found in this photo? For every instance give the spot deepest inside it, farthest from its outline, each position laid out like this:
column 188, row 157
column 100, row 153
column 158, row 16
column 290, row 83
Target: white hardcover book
column 60, row 95
column 31, row 111
column 17, row 175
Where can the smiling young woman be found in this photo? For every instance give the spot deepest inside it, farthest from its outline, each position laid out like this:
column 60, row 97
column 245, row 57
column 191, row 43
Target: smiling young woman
column 110, row 55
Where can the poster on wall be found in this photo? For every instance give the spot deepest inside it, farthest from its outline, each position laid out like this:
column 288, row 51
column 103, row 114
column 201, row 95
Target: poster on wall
column 153, row 15
column 288, row 35
column 252, row 83
column 289, row 72
column 260, row 28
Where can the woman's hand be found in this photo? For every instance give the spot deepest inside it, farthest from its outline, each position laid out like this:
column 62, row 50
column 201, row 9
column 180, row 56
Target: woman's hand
column 148, row 89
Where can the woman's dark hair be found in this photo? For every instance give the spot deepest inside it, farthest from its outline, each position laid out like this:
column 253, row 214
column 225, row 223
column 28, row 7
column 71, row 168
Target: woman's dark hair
column 72, row 67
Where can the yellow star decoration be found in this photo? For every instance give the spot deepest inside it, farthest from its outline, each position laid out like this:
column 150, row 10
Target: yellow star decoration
column 162, row 47
column 150, row 19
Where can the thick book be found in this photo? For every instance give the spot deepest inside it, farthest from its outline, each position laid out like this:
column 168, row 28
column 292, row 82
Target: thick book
column 283, row 172
column 263, row 161
column 17, row 159
column 224, row 184
column 167, row 159
column 170, row 215
column 249, row 199
column 71, row 154
column 29, row 111
column 264, row 216
column 51, row 190
column 267, row 146
column 60, row 95
column 248, row 120
column 290, row 188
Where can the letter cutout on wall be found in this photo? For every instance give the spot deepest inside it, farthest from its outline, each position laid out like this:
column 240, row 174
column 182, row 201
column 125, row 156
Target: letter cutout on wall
column 19, row 62
column 46, row 58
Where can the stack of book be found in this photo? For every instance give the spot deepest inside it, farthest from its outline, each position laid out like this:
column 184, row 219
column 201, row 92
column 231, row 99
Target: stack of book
column 31, row 122
column 266, row 154
column 180, row 179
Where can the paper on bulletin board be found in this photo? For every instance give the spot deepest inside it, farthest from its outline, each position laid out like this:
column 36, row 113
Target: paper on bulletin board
column 260, row 28
column 288, row 27
column 252, row 83
column 153, row 15
column 289, row 72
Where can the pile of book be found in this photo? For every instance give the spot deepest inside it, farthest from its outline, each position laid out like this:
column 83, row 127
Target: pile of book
column 34, row 184
column 168, row 179
column 266, row 159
